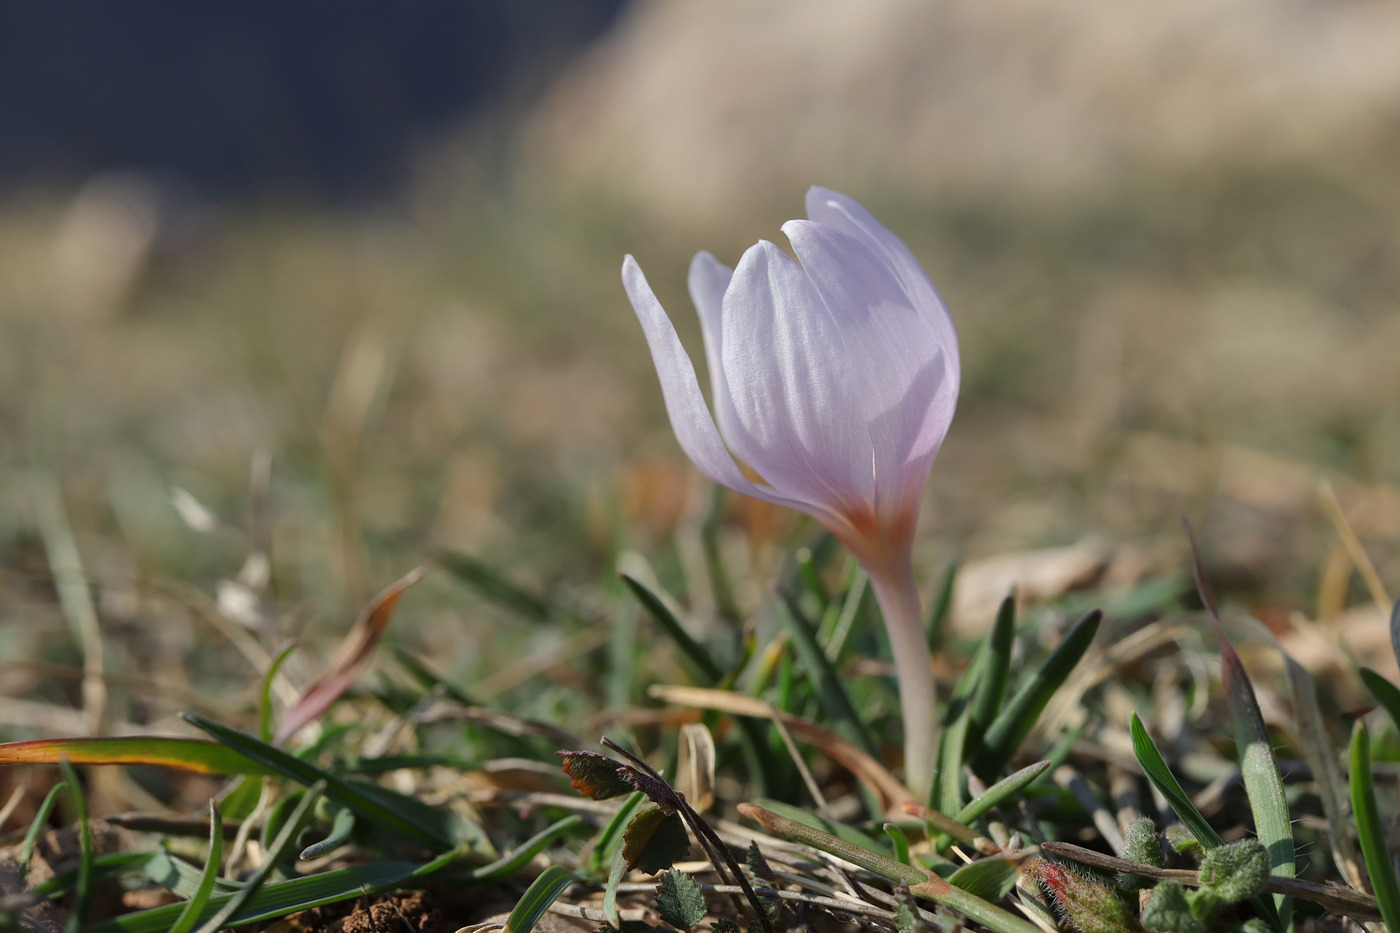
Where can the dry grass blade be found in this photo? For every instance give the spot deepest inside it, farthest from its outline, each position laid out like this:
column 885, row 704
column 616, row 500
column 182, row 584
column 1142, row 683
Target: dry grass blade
column 1352, row 543
column 354, row 654
column 890, row 791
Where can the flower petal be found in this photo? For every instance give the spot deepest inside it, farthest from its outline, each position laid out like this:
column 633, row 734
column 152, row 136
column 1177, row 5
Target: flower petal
column 795, row 412
column 709, row 278
column 836, row 210
column 896, row 354
column 690, row 420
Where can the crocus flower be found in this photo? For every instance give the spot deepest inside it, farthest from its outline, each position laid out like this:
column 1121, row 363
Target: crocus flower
column 834, row 381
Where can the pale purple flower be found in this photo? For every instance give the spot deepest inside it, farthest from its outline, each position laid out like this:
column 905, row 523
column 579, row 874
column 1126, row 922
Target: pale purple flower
column 834, row 380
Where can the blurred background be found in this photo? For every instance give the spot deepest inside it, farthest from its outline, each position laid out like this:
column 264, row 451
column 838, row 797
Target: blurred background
column 337, row 287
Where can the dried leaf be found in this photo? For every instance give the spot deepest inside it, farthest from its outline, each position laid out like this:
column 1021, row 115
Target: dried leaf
column 355, row 653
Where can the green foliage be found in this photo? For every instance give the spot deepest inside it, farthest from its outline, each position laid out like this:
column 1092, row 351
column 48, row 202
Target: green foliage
column 679, row 900
column 1141, row 845
column 1169, row 911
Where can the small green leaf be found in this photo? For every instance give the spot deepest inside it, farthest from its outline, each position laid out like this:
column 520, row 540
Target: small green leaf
column 1371, row 829
column 543, row 891
column 1236, row 871
column 1153, row 765
column 991, row 688
column 679, row 900
column 759, row 865
column 655, row 840
column 1169, row 911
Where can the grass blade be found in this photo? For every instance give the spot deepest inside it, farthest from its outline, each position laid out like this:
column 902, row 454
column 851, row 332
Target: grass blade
column 197, row 755
column 1016, row 720
column 545, row 890
column 1385, row 692
column 1262, row 782
column 275, row 855
column 265, row 697
column 830, row 692
column 82, row 896
column 1155, row 767
column 282, row 898
column 991, row 689
column 428, row 826
column 194, row 907
column 1371, row 829
column 1006, row 787
column 36, row 826
column 496, row 588
column 942, row 603
column 693, row 651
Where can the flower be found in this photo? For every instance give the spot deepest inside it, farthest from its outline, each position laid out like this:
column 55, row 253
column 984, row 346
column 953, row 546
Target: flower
column 834, row 380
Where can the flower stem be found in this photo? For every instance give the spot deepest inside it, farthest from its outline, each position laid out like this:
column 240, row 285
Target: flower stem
column 913, row 667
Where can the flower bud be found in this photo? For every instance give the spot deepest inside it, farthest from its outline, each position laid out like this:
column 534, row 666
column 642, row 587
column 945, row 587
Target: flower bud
column 1089, row 906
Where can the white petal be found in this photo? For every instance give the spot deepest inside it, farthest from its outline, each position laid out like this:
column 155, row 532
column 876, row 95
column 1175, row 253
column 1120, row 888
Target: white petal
column 836, row 210
column 694, row 428
column 709, row 278
column 796, row 415
column 897, row 357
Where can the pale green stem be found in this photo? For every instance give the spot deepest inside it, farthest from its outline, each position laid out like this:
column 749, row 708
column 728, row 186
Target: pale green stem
column 913, row 668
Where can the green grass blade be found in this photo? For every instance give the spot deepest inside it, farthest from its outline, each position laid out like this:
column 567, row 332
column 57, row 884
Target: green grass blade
column 990, row 878
column 494, row 587
column 830, row 692
column 520, row 856
column 265, row 697
column 846, row 833
column 610, row 838
column 279, row 899
column 942, row 603
column 1001, row 790
column 194, row 907
column 276, row 854
column 1385, row 692
column 692, row 650
column 1016, row 720
column 545, row 890
column 1371, row 829
column 991, row 688
column 1155, row 767
column 36, row 826
column 947, row 792
column 403, row 815
column 1262, row 782
column 82, row 895
column 429, row 679
column 197, row 755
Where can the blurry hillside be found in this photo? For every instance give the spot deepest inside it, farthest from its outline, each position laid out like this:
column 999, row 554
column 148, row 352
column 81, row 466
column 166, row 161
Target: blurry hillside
column 1169, row 236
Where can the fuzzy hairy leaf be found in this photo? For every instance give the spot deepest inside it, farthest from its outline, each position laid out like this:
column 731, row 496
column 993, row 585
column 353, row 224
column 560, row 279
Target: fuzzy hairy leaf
column 679, row 900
